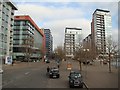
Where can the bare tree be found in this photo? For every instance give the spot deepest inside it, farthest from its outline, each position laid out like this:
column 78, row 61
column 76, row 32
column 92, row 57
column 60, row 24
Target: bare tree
column 28, row 47
column 85, row 55
column 116, row 56
column 111, row 48
column 60, row 52
column 80, row 56
column 41, row 52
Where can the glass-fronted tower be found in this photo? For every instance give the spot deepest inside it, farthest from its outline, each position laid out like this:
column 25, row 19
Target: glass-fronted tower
column 49, row 42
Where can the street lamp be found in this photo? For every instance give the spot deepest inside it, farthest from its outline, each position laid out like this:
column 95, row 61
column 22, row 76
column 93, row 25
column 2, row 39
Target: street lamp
column 85, row 50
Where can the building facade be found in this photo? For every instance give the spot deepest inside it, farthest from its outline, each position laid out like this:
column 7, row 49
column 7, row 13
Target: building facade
column 49, row 42
column 101, row 27
column 6, row 28
column 87, row 42
column 28, row 40
column 72, row 41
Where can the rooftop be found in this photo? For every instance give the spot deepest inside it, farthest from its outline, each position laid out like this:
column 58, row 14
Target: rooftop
column 12, row 4
column 101, row 11
column 27, row 17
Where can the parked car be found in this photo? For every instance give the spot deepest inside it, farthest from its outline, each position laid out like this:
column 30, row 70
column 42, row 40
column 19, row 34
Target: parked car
column 75, row 79
column 54, row 73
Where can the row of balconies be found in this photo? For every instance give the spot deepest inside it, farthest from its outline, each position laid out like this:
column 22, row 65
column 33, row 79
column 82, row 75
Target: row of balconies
column 18, row 28
column 69, row 36
column 69, row 41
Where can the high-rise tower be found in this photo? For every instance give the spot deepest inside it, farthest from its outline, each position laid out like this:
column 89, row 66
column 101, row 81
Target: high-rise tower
column 101, row 27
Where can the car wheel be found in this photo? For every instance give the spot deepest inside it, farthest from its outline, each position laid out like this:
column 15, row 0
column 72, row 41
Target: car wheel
column 58, row 76
column 70, row 86
column 50, row 76
column 81, row 86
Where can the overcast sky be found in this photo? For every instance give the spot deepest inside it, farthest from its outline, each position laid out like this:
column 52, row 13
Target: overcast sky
column 58, row 15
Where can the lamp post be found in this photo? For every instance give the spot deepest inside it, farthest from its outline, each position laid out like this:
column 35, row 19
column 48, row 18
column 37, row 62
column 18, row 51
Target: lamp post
column 86, row 50
column 86, row 57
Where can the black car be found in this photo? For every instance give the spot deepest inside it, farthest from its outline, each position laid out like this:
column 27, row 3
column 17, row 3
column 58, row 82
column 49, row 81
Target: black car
column 75, row 79
column 54, row 73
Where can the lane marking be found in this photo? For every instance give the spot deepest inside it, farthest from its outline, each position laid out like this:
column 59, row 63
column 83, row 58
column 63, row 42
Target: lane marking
column 27, row 73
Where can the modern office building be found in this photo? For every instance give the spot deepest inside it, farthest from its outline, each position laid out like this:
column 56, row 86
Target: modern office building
column 28, row 40
column 101, row 27
column 72, row 41
column 49, row 42
column 6, row 28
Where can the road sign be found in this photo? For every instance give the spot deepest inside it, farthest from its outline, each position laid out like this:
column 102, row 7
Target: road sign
column 69, row 66
column 8, row 60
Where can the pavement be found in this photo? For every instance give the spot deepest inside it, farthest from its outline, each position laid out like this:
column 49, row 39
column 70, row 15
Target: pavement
column 97, row 75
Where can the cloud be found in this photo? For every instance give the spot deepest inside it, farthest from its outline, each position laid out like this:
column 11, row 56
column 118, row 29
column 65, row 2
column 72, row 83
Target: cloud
column 65, row 0
column 55, row 19
column 44, row 13
column 115, row 34
column 58, row 28
column 56, row 16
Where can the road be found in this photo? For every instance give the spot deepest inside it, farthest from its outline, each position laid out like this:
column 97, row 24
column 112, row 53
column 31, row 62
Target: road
column 33, row 75
column 24, row 75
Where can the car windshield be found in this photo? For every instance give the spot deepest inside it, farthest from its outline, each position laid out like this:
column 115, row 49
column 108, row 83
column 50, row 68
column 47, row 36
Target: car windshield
column 54, row 70
column 75, row 75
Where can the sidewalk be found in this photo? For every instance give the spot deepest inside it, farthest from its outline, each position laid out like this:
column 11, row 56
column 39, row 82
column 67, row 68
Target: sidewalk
column 96, row 75
column 19, row 65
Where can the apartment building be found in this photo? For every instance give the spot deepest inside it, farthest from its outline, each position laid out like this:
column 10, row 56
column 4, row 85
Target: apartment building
column 101, row 27
column 6, row 28
column 72, row 41
column 87, row 42
column 49, row 42
column 28, row 40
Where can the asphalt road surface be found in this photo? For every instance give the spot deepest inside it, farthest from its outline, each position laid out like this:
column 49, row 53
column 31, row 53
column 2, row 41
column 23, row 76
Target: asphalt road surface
column 33, row 75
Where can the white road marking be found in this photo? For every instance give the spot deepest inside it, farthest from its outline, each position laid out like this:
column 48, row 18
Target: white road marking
column 27, row 73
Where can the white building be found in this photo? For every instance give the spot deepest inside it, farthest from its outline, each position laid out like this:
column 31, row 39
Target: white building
column 7, row 9
column 72, row 41
column 101, row 29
